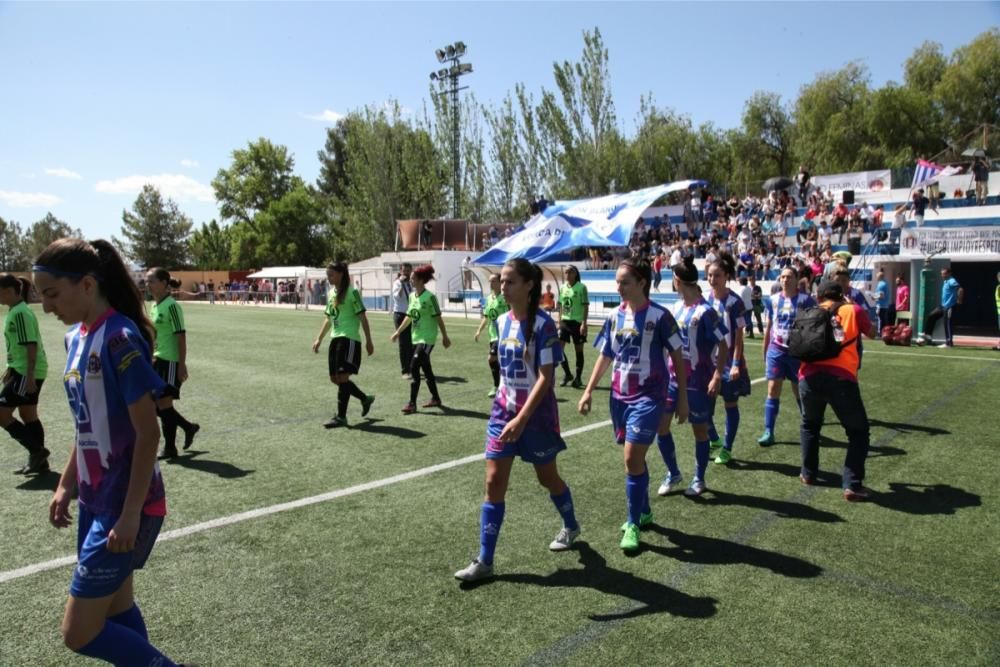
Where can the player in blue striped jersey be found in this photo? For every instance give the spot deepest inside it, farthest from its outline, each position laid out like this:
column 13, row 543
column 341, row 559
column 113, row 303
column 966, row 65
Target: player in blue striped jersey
column 781, row 311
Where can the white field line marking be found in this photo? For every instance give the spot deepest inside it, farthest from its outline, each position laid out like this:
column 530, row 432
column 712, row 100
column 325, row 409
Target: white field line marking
column 44, row 566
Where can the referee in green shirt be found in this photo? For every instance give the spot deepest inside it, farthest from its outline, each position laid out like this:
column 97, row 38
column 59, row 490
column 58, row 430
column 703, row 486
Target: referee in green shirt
column 574, row 307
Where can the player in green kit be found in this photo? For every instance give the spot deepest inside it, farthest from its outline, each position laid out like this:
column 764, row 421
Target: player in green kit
column 345, row 318
column 169, row 359
column 424, row 315
column 26, row 369
column 495, row 307
column 574, row 307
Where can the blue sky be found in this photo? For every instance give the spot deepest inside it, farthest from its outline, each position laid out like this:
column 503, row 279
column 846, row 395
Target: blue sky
column 102, row 97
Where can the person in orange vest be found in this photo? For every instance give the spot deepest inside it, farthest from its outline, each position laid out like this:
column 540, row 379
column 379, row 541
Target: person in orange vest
column 834, row 382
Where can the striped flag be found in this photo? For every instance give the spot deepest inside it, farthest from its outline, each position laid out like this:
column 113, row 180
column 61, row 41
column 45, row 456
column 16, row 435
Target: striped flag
column 928, row 172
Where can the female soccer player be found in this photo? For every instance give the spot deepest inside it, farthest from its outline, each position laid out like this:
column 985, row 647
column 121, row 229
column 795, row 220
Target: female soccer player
column 633, row 340
column 525, row 419
column 26, row 370
column 735, row 378
column 495, row 307
column 112, row 389
column 169, row 359
column 344, row 316
column 575, row 307
column 703, row 337
column 424, row 316
column 781, row 311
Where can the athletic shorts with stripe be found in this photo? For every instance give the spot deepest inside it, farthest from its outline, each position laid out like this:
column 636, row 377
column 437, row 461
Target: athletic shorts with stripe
column 344, row 356
column 167, row 370
column 15, row 390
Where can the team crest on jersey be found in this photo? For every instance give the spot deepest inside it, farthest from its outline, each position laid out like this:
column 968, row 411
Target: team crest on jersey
column 94, row 364
column 513, row 342
column 694, row 322
column 119, row 342
column 650, row 326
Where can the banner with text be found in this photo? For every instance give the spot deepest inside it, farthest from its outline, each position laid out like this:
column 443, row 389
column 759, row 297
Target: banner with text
column 861, row 182
column 922, row 242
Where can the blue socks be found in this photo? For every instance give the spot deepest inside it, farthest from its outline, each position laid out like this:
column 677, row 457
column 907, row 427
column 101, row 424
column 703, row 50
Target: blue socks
column 669, row 453
column 121, row 645
column 637, row 494
column 713, row 434
column 131, row 618
column 732, row 425
column 490, row 520
column 700, row 459
column 564, row 504
column 771, row 406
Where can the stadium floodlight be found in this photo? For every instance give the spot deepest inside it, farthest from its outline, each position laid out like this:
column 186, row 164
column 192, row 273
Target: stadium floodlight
column 451, row 74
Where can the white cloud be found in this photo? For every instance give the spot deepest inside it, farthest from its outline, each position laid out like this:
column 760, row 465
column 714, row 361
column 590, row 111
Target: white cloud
column 63, row 172
column 328, row 116
column 28, row 199
column 175, row 186
column 189, row 163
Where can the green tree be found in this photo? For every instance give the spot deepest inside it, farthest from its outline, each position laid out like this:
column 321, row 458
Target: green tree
column 155, row 231
column 210, row 246
column 767, row 126
column 293, row 230
column 969, row 89
column 12, row 247
column 45, row 231
column 829, row 117
column 258, row 176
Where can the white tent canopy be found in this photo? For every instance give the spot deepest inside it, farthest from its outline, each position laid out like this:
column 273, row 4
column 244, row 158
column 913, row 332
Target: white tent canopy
column 286, row 272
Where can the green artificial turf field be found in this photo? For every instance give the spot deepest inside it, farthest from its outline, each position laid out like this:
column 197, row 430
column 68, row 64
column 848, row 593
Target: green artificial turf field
column 760, row 571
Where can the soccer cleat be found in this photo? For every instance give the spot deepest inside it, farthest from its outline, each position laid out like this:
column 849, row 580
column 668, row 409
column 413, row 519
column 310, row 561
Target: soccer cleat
column 715, row 445
column 630, row 540
column 564, row 539
column 491, row 393
column 724, row 457
column 857, row 493
column 807, row 479
column 406, row 376
column 409, row 409
column 475, row 571
column 336, row 422
column 669, row 484
column 645, row 519
column 944, row 345
column 577, row 384
column 566, row 380
column 433, row 403
column 766, row 440
column 696, row 488
column 189, row 435
column 366, row 404
column 38, row 463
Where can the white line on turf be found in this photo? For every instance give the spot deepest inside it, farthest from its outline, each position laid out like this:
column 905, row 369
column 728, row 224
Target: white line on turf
column 44, row 566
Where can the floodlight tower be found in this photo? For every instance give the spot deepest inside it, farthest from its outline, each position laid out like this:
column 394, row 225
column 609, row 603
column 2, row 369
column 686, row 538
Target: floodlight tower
column 452, row 54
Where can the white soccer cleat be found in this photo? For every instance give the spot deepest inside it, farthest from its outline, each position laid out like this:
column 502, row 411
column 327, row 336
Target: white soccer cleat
column 669, row 484
column 564, row 539
column 475, row 571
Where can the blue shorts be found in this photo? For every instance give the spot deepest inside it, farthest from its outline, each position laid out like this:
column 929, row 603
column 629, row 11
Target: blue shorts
column 781, row 365
column 731, row 391
column 534, row 447
column 636, row 422
column 699, row 405
column 99, row 572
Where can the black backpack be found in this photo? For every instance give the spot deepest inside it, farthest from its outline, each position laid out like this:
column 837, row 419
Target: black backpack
column 814, row 335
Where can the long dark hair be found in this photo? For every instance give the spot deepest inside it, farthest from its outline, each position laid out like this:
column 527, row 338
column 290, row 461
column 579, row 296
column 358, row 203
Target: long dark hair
column 641, row 270
column 22, row 285
column 686, row 271
column 74, row 259
column 163, row 276
column 345, row 279
column 528, row 271
column 575, row 273
column 727, row 263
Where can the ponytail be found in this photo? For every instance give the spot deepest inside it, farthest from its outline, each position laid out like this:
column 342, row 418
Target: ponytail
column 528, row 271
column 163, row 275
column 74, row 259
column 345, row 279
column 22, row 285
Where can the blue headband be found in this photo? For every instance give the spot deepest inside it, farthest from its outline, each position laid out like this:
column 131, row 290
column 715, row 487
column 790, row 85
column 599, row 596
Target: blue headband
column 59, row 273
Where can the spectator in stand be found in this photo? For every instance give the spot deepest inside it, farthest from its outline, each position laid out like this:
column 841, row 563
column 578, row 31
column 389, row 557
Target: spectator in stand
column 952, row 295
column 840, row 215
column 824, row 235
column 898, row 222
column 883, row 299
column 657, row 270
column 808, row 222
column 426, row 228
column 855, row 231
column 902, row 296
column 919, row 205
column 485, row 241
column 211, row 291
column 494, row 235
column 981, row 175
column 710, row 212
column 802, row 181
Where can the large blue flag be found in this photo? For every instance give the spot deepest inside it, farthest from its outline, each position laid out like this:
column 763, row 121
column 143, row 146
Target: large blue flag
column 564, row 225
